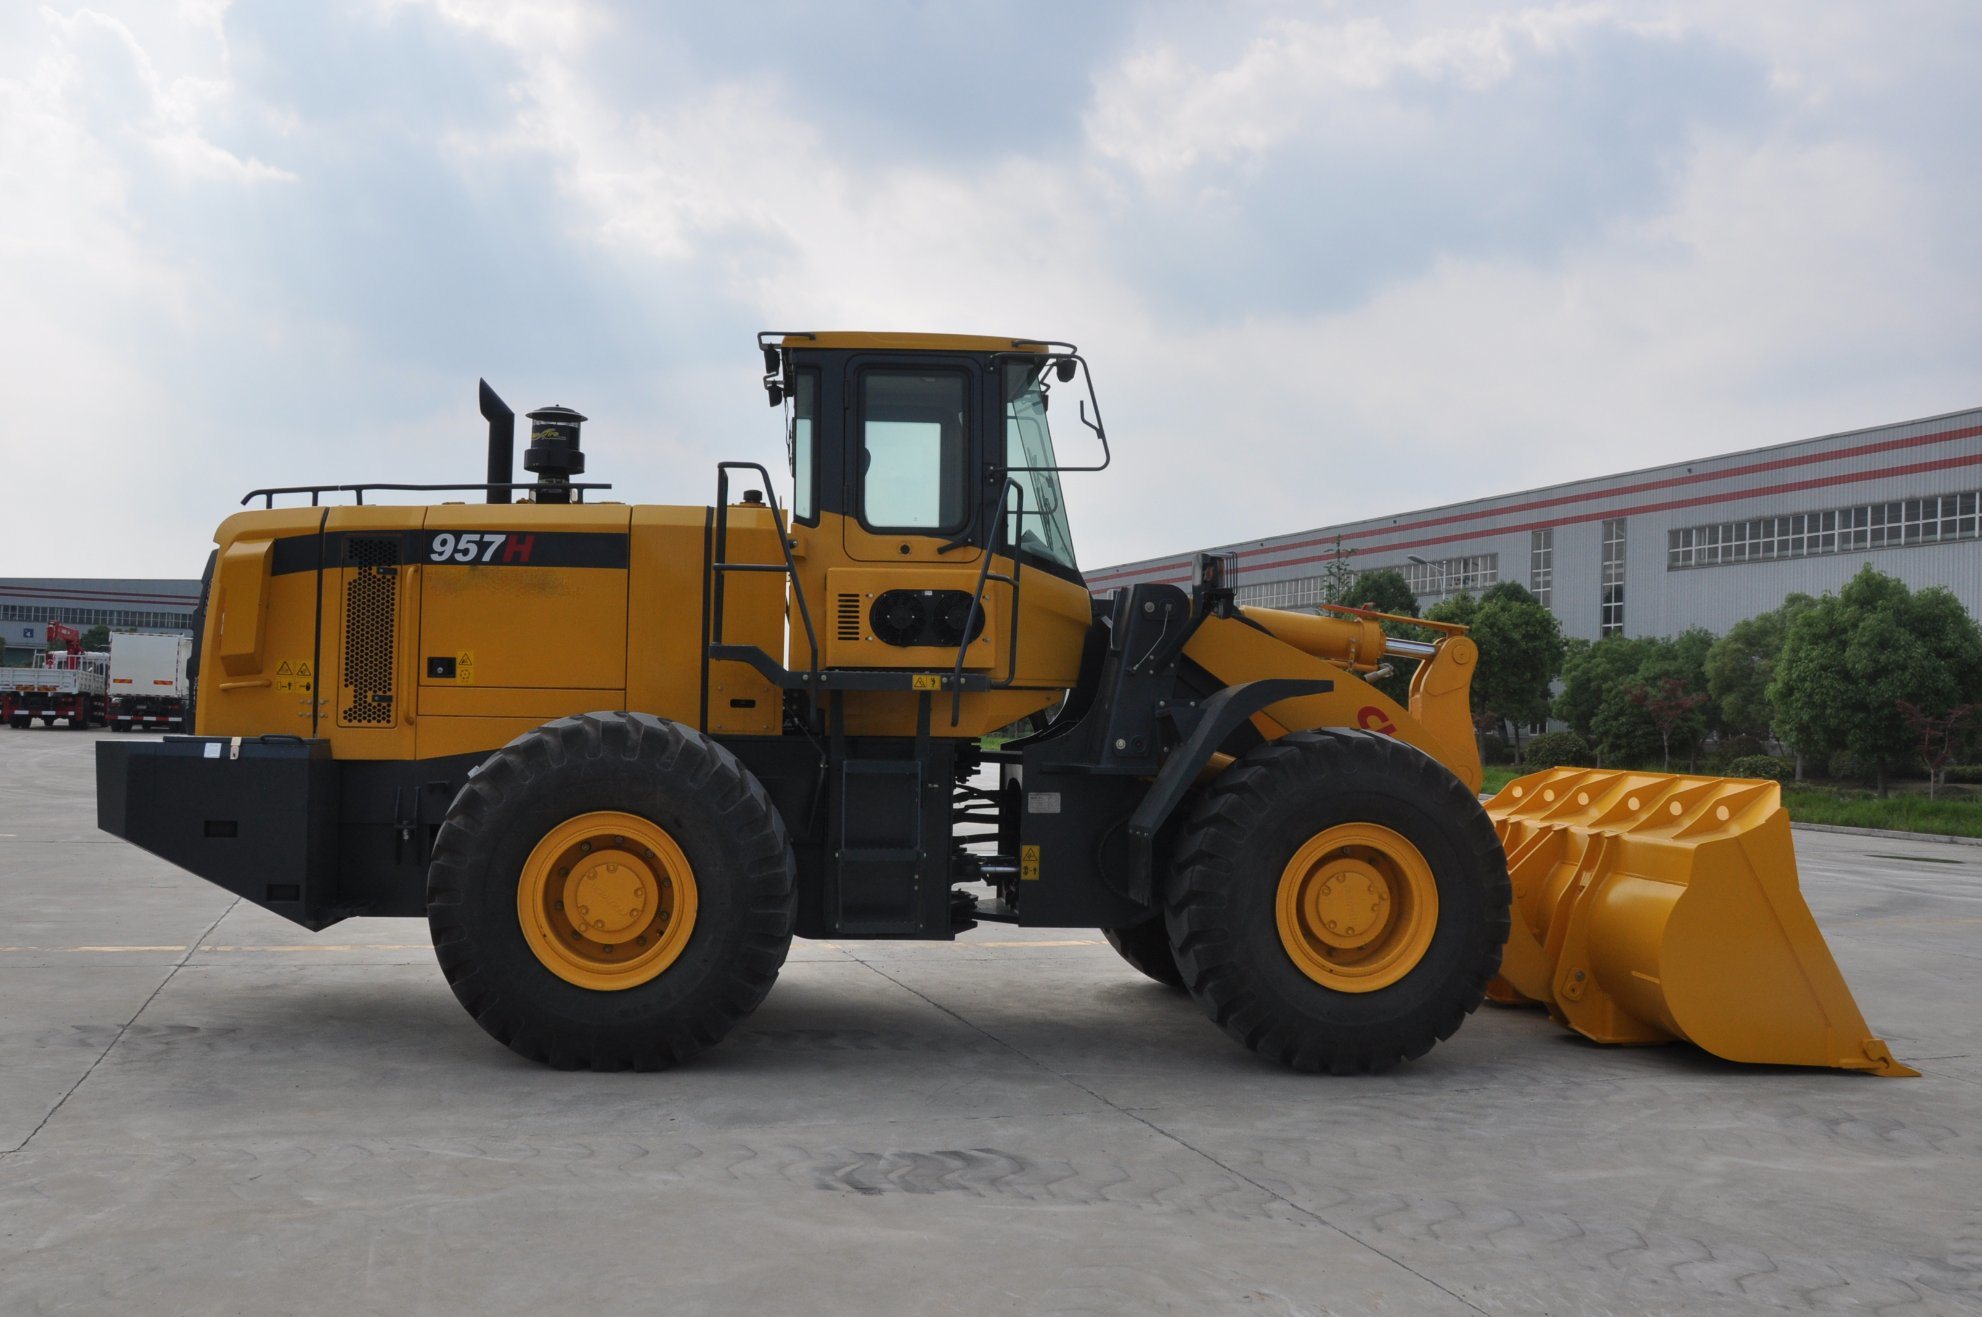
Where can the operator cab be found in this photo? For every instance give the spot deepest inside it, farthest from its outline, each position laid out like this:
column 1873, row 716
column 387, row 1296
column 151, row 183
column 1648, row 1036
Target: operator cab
column 929, row 448
column 928, row 533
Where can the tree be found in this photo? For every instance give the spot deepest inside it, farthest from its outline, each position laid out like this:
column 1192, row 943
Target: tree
column 1741, row 664
column 1671, row 707
column 1521, row 651
column 1851, row 658
column 1608, row 687
column 1513, row 591
column 1589, row 672
column 1385, row 590
column 97, row 638
column 1941, row 737
column 1461, row 608
column 1622, row 730
column 1338, row 578
column 1520, row 654
column 1685, row 657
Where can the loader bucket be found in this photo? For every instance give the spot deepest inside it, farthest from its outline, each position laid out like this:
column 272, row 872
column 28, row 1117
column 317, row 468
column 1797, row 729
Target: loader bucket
column 1650, row 907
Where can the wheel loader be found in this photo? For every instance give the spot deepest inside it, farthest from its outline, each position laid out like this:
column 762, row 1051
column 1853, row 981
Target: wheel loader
column 619, row 755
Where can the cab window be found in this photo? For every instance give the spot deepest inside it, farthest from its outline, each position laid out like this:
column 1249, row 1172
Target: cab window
column 1038, row 522
column 804, row 444
column 914, row 450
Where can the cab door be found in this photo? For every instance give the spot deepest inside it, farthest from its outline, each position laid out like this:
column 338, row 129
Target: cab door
column 915, row 522
column 914, row 461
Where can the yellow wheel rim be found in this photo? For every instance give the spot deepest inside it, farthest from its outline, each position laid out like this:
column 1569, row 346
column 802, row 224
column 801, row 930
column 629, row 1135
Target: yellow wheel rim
column 606, row 901
column 1356, row 907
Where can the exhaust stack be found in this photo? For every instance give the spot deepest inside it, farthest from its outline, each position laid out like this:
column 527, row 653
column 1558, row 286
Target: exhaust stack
column 502, row 442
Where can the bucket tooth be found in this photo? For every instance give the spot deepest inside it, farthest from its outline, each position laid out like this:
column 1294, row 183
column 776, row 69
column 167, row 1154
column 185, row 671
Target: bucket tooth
column 1654, row 907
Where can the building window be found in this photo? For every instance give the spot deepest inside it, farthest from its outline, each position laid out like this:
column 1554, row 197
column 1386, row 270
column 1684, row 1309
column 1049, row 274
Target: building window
column 1610, row 619
column 1297, row 592
column 1936, row 519
column 1541, row 565
column 1448, row 576
column 133, row 619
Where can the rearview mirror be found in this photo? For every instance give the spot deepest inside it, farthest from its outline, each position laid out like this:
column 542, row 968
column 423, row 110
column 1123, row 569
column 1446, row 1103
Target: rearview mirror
column 1063, row 370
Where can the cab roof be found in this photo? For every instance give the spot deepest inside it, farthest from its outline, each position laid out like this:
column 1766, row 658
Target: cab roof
column 901, row 342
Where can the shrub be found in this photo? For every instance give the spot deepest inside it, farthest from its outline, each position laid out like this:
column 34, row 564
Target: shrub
column 1968, row 774
column 1494, row 749
column 1773, row 768
column 1555, row 749
column 1732, row 748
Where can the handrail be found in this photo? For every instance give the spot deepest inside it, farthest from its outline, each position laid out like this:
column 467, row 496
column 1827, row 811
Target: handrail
column 316, row 491
column 721, row 565
column 984, row 577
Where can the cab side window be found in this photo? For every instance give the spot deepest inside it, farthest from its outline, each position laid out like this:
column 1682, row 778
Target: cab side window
column 805, row 448
column 914, row 450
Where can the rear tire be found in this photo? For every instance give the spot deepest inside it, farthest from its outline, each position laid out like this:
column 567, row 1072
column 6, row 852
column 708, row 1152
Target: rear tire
column 1260, row 871
column 726, row 860
column 1147, row 947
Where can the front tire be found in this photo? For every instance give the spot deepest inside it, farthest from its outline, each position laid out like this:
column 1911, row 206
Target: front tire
column 1339, row 902
column 611, row 891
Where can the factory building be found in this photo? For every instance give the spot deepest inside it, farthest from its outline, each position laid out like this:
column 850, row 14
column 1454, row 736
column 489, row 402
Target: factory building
column 29, row 604
column 1701, row 543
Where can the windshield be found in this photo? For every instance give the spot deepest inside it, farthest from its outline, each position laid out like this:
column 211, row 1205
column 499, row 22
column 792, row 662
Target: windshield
column 1042, row 529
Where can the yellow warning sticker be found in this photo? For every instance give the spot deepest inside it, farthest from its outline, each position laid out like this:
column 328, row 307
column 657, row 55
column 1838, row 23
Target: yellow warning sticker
column 287, row 669
column 293, row 675
column 926, row 681
column 464, row 667
column 1028, row 863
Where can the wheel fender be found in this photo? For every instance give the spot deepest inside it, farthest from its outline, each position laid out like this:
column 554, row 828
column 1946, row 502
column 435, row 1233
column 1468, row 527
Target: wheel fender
column 1219, row 716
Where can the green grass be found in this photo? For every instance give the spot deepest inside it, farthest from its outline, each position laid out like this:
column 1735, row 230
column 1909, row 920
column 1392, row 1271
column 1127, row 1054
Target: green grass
column 1907, row 812
column 1496, row 776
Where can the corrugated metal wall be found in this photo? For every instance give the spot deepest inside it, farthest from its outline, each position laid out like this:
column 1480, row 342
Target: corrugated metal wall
column 1928, row 458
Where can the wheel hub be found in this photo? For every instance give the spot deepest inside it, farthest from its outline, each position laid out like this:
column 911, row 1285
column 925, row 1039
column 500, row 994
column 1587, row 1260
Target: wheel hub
column 612, row 902
column 1356, row 907
column 1347, row 904
column 606, row 900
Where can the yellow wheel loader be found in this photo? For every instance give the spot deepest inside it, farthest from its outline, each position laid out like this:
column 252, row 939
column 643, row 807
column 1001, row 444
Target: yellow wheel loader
column 620, row 755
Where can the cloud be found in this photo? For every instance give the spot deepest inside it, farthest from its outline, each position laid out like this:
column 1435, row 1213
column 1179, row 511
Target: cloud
column 1327, row 262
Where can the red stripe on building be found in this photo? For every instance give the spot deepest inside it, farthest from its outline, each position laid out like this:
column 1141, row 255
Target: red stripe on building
column 33, row 592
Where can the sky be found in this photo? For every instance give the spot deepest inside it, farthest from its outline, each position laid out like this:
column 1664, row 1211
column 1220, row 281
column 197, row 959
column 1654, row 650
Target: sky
column 1326, row 260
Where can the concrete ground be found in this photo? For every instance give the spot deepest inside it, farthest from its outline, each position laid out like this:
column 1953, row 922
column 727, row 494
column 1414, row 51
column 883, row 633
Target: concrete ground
column 203, row 1108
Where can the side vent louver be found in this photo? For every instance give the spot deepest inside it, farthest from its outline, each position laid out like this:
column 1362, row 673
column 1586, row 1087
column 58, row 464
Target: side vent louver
column 371, row 607
column 846, row 617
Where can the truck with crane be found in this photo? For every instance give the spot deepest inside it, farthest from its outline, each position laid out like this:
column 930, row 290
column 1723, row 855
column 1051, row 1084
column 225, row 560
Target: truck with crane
column 68, row 684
